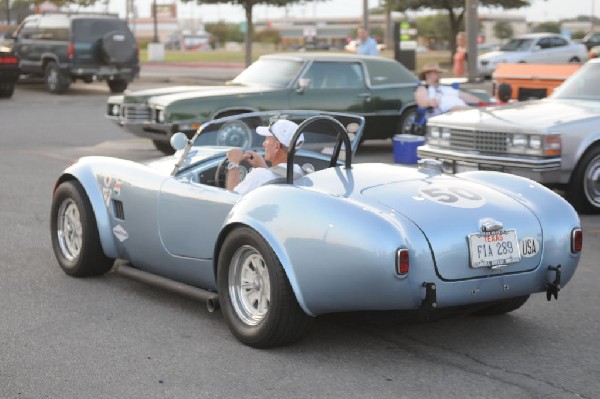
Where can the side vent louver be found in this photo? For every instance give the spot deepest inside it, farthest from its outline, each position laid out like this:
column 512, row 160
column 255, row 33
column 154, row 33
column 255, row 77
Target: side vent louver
column 118, row 209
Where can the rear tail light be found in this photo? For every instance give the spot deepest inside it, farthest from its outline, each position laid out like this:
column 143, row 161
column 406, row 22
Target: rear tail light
column 576, row 240
column 9, row 60
column 402, row 261
column 70, row 50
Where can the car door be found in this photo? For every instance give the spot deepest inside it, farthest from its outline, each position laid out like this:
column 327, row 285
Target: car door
column 332, row 86
column 190, row 217
column 26, row 48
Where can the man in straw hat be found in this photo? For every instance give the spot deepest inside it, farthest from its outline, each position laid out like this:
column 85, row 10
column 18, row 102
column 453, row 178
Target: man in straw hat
column 436, row 98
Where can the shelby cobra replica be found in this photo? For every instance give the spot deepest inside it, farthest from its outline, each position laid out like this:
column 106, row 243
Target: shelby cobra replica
column 342, row 237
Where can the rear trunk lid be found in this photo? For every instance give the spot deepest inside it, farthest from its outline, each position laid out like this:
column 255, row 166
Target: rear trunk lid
column 449, row 210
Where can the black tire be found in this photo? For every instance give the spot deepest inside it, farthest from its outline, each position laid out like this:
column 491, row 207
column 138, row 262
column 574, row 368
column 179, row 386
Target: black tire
column 164, row 147
column 117, row 48
column 6, row 90
column 583, row 191
column 117, row 85
column 575, row 60
column 407, row 121
column 74, row 232
column 274, row 318
column 502, row 307
column 56, row 80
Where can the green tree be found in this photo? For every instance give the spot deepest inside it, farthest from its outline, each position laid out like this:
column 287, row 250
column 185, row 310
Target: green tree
column 553, row 27
column 503, row 30
column 455, row 9
column 248, row 6
column 223, row 32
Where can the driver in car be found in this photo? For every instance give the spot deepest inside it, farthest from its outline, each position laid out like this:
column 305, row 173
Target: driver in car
column 278, row 136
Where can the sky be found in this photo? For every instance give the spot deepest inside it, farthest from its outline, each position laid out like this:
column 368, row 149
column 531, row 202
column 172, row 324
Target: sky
column 539, row 11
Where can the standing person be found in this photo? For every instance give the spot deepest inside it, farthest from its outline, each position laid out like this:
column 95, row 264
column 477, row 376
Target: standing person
column 460, row 56
column 278, row 136
column 436, row 98
column 365, row 44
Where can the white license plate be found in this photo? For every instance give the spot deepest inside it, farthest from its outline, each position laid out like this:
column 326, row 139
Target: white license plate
column 494, row 248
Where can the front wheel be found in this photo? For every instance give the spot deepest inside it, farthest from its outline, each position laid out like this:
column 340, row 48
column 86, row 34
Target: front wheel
column 164, row 147
column 502, row 307
column 6, row 90
column 584, row 188
column 75, row 238
column 258, row 302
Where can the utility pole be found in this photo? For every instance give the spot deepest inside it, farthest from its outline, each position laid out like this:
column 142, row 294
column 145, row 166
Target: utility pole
column 472, row 28
column 366, row 14
column 7, row 3
column 155, row 39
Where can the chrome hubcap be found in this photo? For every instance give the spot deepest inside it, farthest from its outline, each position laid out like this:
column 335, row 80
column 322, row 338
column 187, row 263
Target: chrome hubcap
column 69, row 230
column 249, row 285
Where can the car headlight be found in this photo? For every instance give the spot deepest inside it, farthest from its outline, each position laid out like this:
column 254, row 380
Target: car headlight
column 534, row 144
column 115, row 109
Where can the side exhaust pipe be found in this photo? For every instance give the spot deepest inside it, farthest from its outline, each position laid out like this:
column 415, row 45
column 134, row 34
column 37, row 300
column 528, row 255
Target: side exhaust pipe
column 211, row 298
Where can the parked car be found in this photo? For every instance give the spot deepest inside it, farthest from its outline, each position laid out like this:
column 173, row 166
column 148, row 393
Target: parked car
column 9, row 71
column 540, row 48
column 592, row 39
column 555, row 140
column 379, row 89
column 342, row 237
column 63, row 48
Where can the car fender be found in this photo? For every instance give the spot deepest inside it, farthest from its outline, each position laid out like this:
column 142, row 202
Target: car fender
column 83, row 173
column 323, row 241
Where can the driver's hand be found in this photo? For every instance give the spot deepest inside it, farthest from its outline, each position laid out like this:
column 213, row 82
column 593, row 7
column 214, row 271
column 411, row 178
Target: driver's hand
column 255, row 160
column 235, row 155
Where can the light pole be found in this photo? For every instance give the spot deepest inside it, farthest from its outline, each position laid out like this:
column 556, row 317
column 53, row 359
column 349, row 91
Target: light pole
column 366, row 14
column 7, row 3
column 155, row 39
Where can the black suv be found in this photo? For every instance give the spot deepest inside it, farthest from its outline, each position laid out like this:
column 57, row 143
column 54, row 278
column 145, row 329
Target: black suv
column 66, row 47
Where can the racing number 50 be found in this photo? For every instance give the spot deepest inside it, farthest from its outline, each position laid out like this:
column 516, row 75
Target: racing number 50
column 451, row 194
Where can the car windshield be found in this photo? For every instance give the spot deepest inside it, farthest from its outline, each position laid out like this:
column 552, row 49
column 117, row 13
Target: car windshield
column 269, row 72
column 582, row 85
column 517, row 45
column 240, row 130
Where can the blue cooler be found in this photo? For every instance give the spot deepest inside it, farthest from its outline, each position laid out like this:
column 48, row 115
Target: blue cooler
column 405, row 148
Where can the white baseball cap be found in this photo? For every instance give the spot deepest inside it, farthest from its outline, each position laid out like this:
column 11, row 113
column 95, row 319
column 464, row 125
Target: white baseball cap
column 283, row 130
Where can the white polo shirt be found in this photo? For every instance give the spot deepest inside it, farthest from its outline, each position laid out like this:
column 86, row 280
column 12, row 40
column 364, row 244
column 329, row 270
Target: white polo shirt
column 259, row 176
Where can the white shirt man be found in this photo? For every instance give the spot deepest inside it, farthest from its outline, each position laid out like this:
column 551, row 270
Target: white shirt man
column 278, row 137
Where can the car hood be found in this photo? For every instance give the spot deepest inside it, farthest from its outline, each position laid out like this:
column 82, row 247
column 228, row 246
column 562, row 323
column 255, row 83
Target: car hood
column 448, row 209
column 143, row 95
column 541, row 115
column 502, row 56
column 210, row 91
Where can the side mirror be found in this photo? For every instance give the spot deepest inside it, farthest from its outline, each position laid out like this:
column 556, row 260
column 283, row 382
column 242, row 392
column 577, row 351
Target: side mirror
column 179, row 141
column 303, row 83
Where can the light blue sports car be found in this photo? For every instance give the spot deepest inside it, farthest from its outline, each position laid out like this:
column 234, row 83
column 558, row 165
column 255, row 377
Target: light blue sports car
column 343, row 237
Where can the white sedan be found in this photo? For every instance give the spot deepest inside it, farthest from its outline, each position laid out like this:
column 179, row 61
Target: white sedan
column 541, row 48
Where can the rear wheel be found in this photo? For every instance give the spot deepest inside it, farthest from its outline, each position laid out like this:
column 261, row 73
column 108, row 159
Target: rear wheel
column 407, row 121
column 584, row 188
column 117, row 85
column 503, row 307
column 258, row 302
column 75, row 238
column 56, row 80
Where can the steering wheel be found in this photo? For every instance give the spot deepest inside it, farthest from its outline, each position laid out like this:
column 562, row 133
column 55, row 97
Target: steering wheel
column 223, row 170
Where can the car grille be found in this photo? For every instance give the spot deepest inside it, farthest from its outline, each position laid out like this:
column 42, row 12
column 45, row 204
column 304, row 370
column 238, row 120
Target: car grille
column 478, row 140
column 135, row 113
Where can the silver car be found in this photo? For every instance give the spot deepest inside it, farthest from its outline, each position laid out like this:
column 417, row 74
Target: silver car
column 540, row 48
column 343, row 237
column 555, row 141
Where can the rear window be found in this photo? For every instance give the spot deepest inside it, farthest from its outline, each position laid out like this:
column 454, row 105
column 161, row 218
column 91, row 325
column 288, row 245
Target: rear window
column 383, row 73
column 88, row 30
